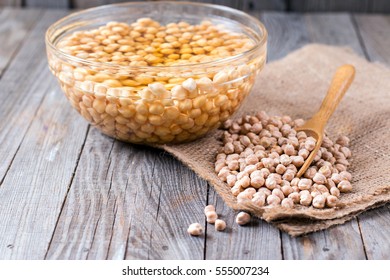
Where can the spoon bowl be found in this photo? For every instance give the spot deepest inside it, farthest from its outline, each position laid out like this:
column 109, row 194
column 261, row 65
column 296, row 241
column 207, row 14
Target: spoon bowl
column 315, row 127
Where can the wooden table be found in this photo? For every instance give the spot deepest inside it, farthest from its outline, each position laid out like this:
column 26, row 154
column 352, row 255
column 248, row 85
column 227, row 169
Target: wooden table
column 68, row 192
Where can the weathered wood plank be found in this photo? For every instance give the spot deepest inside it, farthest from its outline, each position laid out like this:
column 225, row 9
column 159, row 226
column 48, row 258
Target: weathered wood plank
column 333, row 29
column 83, row 4
column 12, row 3
column 18, row 86
column 15, row 25
column 375, row 33
column 249, row 5
column 289, row 32
column 286, row 33
column 336, row 243
column 257, row 240
column 182, row 199
column 60, row 4
column 137, row 206
column 47, row 141
column 374, row 224
column 362, row 6
column 264, row 5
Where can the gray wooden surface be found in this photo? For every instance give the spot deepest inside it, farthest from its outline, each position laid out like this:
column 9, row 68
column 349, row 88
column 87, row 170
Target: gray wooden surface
column 359, row 6
column 68, row 192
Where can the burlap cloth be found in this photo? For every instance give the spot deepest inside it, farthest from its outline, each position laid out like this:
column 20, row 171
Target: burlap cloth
column 295, row 86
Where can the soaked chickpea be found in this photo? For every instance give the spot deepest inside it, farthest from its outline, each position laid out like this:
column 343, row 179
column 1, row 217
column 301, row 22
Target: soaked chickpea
column 155, row 104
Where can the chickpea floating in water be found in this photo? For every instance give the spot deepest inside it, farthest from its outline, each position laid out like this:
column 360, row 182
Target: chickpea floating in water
column 162, row 106
column 271, row 165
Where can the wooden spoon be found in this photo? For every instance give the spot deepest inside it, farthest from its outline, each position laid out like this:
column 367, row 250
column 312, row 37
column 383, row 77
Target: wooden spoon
column 316, row 125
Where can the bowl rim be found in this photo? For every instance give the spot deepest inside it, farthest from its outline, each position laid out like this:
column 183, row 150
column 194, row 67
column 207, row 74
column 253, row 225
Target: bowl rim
column 213, row 63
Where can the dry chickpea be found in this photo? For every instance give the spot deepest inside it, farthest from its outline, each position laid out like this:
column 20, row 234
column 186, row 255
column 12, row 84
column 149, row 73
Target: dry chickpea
column 310, row 172
column 310, row 144
column 278, row 193
column 305, row 198
column 336, row 178
column 271, row 183
column 319, row 178
column 287, row 202
column 343, row 141
column 345, row 175
column 305, row 184
column 257, row 181
column 287, row 190
column 220, row 225
column 295, row 197
column 289, row 150
column 209, row 208
column 319, row 201
column 211, row 217
column 195, row 229
column 232, row 179
column 266, row 191
column 326, row 171
column 289, row 175
column 344, row 186
column 334, row 191
column 273, row 199
column 243, row 218
column 259, row 199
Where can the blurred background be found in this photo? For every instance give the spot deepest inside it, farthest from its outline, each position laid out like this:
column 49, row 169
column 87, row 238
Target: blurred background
column 356, row 6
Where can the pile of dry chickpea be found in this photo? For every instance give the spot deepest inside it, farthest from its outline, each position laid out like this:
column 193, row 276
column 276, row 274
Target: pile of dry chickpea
column 261, row 156
column 168, row 103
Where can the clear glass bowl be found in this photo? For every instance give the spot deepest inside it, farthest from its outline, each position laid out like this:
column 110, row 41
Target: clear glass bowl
column 126, row 111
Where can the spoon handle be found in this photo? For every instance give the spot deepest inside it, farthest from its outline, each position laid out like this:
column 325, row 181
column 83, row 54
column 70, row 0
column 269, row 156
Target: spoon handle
column 339, row 85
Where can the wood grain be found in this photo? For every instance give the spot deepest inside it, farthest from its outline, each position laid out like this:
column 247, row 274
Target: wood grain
column 264, row 5
column 286, row 33
column 374, row 224
column 137, row 206
column 342, row 242
column 63, row 4
column 375, row 34
column 12, row 3
column 333, row 29
column 22, row 79
column 241, row 242
column 36, row 183
column 15, row 25
column 362, row 6
column 237, row 4
column 375, row 230
column 182, row 198
column 83, row 4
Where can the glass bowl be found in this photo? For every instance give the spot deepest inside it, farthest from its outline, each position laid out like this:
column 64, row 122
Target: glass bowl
column 140, row 104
